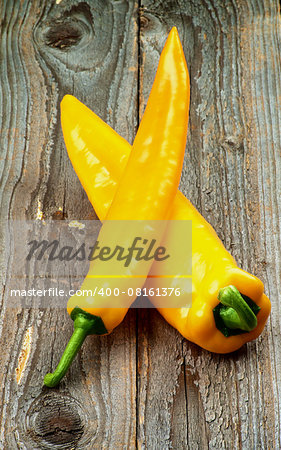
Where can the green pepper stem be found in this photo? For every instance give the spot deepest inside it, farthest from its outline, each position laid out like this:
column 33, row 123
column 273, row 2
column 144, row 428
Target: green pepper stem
column 71, row 350
column 84, row 324
column 237, row 313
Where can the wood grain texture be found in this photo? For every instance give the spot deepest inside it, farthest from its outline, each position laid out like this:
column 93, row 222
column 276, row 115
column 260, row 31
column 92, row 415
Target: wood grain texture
column 143, row 386
column 88, row 49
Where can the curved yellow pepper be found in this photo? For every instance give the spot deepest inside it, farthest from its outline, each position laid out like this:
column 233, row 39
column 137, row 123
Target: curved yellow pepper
column 213, row 267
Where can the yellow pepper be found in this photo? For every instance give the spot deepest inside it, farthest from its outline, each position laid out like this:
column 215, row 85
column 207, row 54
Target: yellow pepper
column 159, row 148
column 220, row 319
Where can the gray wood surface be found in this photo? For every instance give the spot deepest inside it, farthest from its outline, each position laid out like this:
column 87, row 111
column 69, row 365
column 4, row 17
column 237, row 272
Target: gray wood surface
column 143, row 386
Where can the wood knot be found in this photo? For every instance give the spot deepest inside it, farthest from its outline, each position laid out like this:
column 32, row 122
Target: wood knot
column 234, row 143
column 67, row 30
column 62, row 36
column 144, row 21
column 56, row 421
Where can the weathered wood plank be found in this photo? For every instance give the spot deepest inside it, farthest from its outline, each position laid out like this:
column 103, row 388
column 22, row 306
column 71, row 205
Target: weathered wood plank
column 231, row 174
column 88, row 49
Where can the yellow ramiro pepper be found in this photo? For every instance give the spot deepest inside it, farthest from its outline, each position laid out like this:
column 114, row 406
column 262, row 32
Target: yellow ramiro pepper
column 159, row 147
column 213, row 268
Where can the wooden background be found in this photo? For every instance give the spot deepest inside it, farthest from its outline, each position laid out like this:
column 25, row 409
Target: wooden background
column 143, row 386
